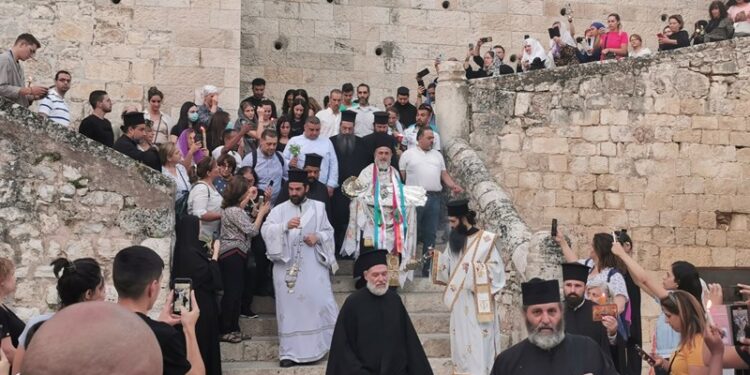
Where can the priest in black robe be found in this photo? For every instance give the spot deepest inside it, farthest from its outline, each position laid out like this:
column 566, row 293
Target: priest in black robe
column 134, row 130
column 579, row 315
column 374, row 334
column 352, row 158
column 317, row 190
column 548, row 349
column 379, row 126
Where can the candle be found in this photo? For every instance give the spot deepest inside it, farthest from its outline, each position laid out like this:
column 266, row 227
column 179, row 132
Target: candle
column 603, row 299
column 708, row 313
column 203, row 133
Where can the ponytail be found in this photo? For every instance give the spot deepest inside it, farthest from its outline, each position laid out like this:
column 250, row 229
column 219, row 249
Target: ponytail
column 75, row 278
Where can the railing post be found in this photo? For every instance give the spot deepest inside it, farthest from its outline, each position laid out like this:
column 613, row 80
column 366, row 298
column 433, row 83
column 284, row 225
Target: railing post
column 452, row 102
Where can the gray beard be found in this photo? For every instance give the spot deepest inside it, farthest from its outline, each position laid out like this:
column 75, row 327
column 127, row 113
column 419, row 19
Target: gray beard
column 382, row 165
column 346, row 143
column 546, row 341
column 377, row 290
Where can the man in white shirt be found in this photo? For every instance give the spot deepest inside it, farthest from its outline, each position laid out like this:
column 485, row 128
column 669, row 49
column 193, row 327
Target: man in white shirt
column 424, row 166
column 53, row 105
column 330, row 118
column 365, row 112
column 310, row 142
column 424, row 114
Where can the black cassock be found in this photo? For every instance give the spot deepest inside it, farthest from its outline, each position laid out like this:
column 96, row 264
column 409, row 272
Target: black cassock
column 350, row 164
column 575, row 355
column 191, row 260
column 580, row 322
column 130, row 148
column 374, row 336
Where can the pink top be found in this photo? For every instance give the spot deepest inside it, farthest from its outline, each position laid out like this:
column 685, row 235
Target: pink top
column 734, row 9
column 613, row 40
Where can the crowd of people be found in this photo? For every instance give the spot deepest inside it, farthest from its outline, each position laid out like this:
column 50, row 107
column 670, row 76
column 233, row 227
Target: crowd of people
column 607, row 41
column 258, row 191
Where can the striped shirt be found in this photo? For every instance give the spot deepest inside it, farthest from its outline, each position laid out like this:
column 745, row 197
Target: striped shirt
column 54, row 107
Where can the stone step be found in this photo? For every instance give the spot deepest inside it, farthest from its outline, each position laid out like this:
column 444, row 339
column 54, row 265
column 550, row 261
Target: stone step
column 266, row 348
column 266, row 324
column 441, row 366
column 414, row 302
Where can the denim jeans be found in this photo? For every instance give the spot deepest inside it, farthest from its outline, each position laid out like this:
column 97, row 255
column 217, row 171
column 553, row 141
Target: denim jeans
column 428, row 218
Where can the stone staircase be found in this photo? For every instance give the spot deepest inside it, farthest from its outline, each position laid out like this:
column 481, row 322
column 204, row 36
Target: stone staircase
column 259, row 356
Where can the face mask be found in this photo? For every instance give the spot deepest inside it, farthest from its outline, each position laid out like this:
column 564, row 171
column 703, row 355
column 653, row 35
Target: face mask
column 229, row 125
column 193, row 117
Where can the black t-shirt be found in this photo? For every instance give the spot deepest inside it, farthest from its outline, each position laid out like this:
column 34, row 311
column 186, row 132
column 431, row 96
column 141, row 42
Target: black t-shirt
column 98, row 129
column 172, row 344
column 10, row 325
column 683, row 40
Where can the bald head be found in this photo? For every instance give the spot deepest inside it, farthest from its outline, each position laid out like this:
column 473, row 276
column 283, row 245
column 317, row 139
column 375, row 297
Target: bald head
column 93, row 338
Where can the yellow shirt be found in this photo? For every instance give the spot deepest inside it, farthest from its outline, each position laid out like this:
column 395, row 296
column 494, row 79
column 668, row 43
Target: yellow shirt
column 689, row 355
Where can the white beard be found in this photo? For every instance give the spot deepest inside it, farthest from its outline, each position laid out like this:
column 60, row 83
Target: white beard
column 547, row 341
column 378, row 291
column 382, row 165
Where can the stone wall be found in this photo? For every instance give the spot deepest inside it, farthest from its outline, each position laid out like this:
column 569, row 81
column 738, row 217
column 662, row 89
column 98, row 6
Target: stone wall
column 177, row 45
column 324, row 43
column 659, row 146
column 62, row 194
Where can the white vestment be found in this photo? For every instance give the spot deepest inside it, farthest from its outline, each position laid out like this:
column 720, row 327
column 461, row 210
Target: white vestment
column 307, row 316
column 474, row 345
column 361, row 218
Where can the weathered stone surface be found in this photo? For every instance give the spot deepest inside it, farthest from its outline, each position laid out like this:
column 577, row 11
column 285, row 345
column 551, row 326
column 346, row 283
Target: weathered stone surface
column 46, row 217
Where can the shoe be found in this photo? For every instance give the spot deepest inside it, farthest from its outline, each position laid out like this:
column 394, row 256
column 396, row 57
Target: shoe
column 242, row 336
column 249, row 314
column 231, row 338
column 287, row 363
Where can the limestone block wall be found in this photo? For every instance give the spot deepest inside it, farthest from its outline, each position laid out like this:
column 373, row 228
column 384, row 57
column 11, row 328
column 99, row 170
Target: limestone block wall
column 62, row 194
column 659, row 146
column 177, row 45
column 324, row 43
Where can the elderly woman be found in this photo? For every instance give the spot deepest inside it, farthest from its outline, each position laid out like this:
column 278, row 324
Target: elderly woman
column 210, row 105
column 720, row 26
column 162, row 123
column 204, row 200
column 534, row 56
column 678, row 37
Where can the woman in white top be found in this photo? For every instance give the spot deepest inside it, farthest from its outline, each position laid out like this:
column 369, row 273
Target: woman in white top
column 534, row 56
column 638, row 49
column 605, row 266
column 161, row 122
column 171, row 159
column 204, row 200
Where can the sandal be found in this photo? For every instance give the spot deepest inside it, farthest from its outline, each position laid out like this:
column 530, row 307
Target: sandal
column 242, row 336
column 230, row 338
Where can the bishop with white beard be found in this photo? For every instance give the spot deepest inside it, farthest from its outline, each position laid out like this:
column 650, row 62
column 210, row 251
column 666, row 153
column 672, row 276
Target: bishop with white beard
column 299, row 242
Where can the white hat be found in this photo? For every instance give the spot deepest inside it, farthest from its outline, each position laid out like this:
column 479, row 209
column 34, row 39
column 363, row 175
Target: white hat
column 209, row 89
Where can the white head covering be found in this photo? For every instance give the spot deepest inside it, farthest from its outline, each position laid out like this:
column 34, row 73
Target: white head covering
column 565, row 36
column 536, row 51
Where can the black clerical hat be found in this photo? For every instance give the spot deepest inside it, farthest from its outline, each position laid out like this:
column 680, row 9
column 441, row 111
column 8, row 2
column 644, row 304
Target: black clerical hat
column 381, row 117
column 402, row 90
column 348, row 116
column 538, row 291
column 133, row 119
column 368, row 258
column 313, row 160
column 382, row 140
column 575, row 271
column 297, row 175
column 458, row 208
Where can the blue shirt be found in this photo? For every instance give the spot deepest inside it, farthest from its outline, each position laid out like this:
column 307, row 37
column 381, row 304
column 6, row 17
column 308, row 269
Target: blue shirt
column 268, row 168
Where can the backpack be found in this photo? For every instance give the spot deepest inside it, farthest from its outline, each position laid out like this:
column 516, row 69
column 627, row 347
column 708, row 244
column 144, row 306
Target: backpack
column 624, row 320
column 255, row 158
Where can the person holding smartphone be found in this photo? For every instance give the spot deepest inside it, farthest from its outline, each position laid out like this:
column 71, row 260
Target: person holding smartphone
column 677, row 38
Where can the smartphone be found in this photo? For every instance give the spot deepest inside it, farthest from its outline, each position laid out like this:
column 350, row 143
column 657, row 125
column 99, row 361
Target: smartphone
column 423, row 73
column 270, row 183
column 486, row 39
column 649, row 359
column 471, row 45
column 553, row 232
column 261, row 199
column 740, row 328
column 182, row 290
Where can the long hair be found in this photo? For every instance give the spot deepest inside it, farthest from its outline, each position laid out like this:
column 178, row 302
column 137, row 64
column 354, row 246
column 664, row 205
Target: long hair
column 285, row 105
column 183, row 122
column 215, row 131
column 234, row 192
column 603, row 250
column 691, row 313
column 721, row 7
column 687, row 278
column 75, row 278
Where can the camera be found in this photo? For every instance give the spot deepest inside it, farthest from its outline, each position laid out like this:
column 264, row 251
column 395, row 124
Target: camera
column 486, row 39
